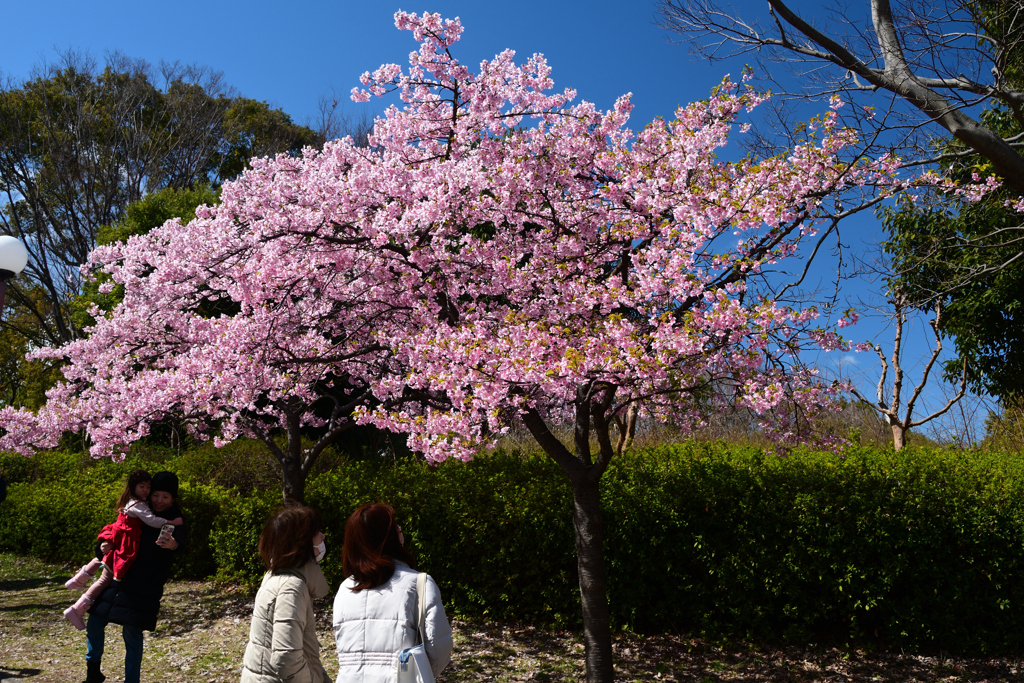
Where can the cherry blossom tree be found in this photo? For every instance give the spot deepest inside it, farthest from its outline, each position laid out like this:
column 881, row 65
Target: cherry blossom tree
column 498, row 255
column 234, row 324
column 566, row 268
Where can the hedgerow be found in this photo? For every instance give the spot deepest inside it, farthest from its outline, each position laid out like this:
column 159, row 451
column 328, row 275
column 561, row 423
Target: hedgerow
column 920, row 549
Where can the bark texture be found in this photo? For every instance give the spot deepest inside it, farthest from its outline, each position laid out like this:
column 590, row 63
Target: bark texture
column 898, row 437
column 584, row 473
column 597, row 638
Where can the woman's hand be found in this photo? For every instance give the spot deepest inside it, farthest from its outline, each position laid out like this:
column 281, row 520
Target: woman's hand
column 106, row 547
column 167, row 542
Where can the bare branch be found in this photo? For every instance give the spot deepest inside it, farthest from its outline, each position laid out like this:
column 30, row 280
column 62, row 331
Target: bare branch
column 905, row 55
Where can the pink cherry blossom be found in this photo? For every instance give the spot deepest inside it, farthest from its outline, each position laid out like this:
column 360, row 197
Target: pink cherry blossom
column 497, row 250
column 501, row 254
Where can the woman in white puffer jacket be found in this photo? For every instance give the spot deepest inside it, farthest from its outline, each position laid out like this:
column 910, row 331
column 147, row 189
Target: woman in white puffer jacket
column 283, row 646
column 376, row 609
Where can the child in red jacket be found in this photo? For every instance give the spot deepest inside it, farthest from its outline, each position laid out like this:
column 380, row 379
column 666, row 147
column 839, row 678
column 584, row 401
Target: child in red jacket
column 124, row 535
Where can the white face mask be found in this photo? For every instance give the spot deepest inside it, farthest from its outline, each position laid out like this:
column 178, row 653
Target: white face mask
column 319, row 551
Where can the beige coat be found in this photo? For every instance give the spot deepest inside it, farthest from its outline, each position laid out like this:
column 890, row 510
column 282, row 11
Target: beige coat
column 283, row 647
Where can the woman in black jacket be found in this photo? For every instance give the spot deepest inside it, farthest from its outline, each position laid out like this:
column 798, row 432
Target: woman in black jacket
column 134, row 602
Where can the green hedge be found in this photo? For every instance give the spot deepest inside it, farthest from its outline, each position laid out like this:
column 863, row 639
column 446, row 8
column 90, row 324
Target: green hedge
column 924, row 548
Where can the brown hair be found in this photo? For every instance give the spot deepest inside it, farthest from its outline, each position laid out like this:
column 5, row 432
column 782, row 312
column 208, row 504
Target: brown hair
column 371, row 546
column 287, row 538
column 134, row 479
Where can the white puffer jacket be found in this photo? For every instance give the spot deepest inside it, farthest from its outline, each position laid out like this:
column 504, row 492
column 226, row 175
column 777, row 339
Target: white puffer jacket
column 283, row 647
column 371, row 625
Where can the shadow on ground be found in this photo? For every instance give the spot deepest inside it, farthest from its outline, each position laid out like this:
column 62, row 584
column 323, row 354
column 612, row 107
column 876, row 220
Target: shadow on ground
column 11, row 674
column 204, row 627
column 26, row 584
column 200, row 605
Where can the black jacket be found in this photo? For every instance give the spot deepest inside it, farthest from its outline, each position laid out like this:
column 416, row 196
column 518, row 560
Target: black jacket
column 135, row 599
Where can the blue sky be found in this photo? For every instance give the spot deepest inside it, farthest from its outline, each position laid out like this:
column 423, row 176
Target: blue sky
column 289, row 54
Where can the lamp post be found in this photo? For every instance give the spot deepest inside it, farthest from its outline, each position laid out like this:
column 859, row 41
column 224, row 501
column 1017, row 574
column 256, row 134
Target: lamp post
column 13, row 259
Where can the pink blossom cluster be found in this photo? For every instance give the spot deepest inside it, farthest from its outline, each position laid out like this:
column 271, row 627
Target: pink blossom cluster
column 975, row 190
column 498, row 252
column 227, row 323
column 849, row 318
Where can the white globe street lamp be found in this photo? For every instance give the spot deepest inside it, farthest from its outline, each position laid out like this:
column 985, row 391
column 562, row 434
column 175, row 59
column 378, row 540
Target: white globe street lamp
column 13, row 259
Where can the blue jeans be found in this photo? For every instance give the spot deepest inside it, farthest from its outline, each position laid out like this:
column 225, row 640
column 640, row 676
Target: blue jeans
column 94, row 635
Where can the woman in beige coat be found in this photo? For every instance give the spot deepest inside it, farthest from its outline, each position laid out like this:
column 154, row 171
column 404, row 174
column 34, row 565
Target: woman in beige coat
column 283, row 647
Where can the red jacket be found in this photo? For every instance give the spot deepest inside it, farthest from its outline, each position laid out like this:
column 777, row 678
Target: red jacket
column 124, row 535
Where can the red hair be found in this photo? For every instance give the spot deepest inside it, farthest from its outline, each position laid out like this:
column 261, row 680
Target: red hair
column 371, row 546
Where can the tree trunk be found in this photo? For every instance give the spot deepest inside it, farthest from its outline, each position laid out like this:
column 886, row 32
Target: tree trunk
column 584, row 476
column 597, row 636
column 632, row 413
column 291, row 464
column 626, row 425
column 294, row 480
column 898, row 436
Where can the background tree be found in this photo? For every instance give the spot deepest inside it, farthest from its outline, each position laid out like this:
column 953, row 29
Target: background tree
column 922, row 62
column 80, row 143
column 1005, row 430
column 333, row 121
column 892, row 403
column 957, row 255
column 966, row 255
column 22, row 382
column 252, row 129
column 946, row 83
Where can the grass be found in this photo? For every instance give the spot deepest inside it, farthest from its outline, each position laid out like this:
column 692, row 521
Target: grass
column 204, row 626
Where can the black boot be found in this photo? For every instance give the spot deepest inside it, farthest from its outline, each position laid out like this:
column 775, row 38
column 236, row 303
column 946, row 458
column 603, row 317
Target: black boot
column 92, row 673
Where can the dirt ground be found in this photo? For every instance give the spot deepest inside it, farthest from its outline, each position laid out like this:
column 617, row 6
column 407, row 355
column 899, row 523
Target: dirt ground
column 203, row 629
